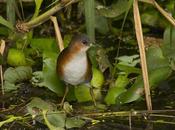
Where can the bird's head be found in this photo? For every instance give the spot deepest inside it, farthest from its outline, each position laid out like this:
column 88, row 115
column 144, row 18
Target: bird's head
column 80, row 42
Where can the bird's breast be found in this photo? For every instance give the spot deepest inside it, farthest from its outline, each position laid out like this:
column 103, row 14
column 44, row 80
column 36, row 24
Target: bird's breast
column 75, row 71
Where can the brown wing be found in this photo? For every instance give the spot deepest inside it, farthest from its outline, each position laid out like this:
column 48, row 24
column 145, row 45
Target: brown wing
column 61, row 61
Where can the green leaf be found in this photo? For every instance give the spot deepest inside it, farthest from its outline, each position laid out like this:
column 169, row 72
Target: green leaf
column 16, row 57
column 82, row 93
column 8, row 87
column 102, row 26
column 115, row 10
column 97, row 78
column 57, row 118
column 116, row 89
column 158, row 71
column 54, row 119
column 150, row 18
column 4, row 31
column 16, row 75
column 129, row 60
column 136, row 91
column 169, row 43
column 51, row 78
column 128, row 69
column 37, row 8
column 6, row 23
column 155, row 58
column 48, row 77
column 44, row 44
column 74, row 122
column 36, row 105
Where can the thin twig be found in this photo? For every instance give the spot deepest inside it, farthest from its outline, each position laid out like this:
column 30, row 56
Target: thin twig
column 140, row 41
column 126, row 113
column 57, row 33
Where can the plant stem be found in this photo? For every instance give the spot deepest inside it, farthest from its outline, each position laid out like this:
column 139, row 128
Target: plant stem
column 45, row 16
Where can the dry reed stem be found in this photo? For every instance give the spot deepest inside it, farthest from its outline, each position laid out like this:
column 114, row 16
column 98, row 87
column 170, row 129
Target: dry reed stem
column 2, row 48
column 57, row 33
column 140, row 41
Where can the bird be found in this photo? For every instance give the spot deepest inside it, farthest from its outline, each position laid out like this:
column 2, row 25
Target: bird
column 73, row 64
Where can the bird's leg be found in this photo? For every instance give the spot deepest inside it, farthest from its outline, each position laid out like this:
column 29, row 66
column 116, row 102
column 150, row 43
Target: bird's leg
column 64, row 96
column 93, row 96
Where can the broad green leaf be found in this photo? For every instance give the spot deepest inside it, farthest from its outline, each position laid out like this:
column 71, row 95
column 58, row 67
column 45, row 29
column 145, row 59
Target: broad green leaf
column 48, row 77
column 116, row 9
column 155, row 58
column 44, row 44
column 97, row 78
column 12, row 76
column 16, row 57
column 51, row 79
column 57, row 118
column 74, row 122
column 18, row 74
column 49, row 73
column 49, row 125
column 129, row 60
column 6, row 23
column 8, row 86
column 128, row 69
column 158, row 70
column 136, row 91
column 54, row 119
column 37, row 105
column 82, row 93
column 116, row 89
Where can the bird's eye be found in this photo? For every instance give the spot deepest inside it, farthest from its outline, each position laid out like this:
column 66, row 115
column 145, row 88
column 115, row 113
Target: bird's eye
column 84, row 42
